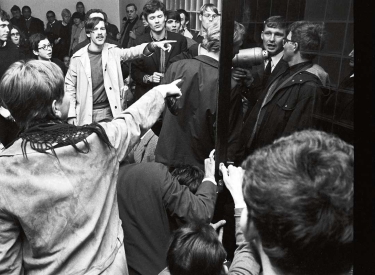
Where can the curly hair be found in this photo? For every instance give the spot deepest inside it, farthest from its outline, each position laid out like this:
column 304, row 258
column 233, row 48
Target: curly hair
column 299, row 194
column 310, row 37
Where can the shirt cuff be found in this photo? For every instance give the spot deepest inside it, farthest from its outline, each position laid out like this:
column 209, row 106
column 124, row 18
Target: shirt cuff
column 145, row 78
column 211, row 180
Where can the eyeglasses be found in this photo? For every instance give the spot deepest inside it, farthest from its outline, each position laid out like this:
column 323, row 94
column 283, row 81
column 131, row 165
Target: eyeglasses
column 15, row 34
column 213, row 15
column 45, row 47
column 286, row 40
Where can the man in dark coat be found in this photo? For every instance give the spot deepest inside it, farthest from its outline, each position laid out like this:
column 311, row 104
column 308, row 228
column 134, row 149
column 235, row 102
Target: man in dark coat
column 153, row 203
column 188, row 131
column 147, row 72
column 31, row 24
column 286, row 105
column 274, row 31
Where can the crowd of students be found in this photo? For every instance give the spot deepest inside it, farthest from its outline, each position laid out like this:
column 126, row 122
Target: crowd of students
column 108, row 165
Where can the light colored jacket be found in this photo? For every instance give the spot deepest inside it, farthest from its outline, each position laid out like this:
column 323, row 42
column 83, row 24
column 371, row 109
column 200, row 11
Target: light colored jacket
column 60, row 215
column 78, row 82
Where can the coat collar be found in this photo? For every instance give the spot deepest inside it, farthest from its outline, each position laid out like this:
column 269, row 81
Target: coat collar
column 208, row 60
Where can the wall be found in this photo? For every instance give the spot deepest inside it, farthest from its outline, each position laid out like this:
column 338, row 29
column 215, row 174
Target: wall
column 40, row 7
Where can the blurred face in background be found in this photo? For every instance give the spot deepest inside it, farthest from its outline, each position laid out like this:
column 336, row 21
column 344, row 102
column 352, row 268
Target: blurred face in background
column 16, row 14
column 173, row 25
column 15, row 36
column 80, row 8
column 66, row 61
column 131, row 13
column 50, row 17
column 26, row 13
column 66, row 18
column 144, row 21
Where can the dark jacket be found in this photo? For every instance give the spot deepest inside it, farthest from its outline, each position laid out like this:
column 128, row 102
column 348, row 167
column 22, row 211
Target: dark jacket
column 151, row 201
column 189, row 137
column 150, row 64
column 254, row 91
column 36, row 26
column 288, row 109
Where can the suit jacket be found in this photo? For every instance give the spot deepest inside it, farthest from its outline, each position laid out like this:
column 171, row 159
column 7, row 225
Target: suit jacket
column 256, row 88
column 36, row 26
column 149, row 65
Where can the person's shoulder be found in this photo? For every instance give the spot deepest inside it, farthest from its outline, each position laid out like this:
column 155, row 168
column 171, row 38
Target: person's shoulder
column 144, row 38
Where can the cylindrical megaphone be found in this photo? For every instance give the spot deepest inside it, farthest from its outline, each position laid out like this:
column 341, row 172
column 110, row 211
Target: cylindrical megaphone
column 249, row 57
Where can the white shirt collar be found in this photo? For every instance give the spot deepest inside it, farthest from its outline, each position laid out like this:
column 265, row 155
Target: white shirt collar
column 275, row 59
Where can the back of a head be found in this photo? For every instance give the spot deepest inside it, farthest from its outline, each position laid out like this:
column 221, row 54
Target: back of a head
column 299, row 194
column 190, row 176
column 310, row 37
column 152, row 6
column 212, row 40
column 196, row 249
column 27, row 90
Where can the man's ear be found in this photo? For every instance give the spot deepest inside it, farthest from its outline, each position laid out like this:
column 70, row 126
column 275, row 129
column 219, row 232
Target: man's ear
column 187, row 23
column 55, row 108
column 296, row 45
column 200, row 17
column 88, row 35
column 261, row 35
column 36, row 53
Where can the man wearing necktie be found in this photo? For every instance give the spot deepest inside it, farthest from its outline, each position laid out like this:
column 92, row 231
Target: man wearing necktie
column 273, row 33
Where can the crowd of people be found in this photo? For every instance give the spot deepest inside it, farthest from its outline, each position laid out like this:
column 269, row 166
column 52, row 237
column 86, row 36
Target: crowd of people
column 108, row 165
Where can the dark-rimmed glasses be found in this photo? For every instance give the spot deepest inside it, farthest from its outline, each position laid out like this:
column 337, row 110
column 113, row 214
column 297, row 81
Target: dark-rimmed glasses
column 45, row 47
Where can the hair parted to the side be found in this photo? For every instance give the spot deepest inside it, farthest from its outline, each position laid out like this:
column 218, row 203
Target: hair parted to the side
column 190, row 176
column 90, row 23
column 299, row 194
column 169, row 14
column 208, row 7
column 195, row 249
column 66, row 12
column 211, row 42
column 310, row 37
column 151, row 7
column 277, row 22
column 35, row 39
column 27, row 90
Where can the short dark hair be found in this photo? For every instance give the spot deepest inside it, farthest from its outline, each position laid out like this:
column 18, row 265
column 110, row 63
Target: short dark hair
column 195, row 249
column 299, row 195
column 206, row 7
column 90, row 23
column 51, row 12
column 190, row 176
column 131, row 4
column 28, row 88
column 4, row 15
column 310, row 37
column 173, row 15
column 187, row 15
column 277, row 22
column 152, row 6
column 35, row 39
column 15, row 8
column 78, row 15
column 26, row 7
column 87, row 15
